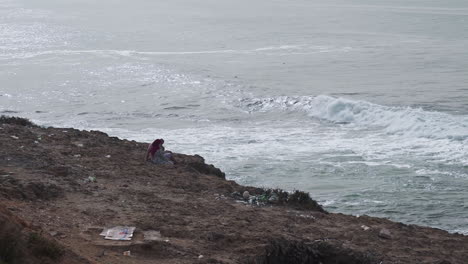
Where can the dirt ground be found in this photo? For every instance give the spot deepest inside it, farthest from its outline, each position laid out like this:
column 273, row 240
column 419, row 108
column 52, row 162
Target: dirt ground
column 62, row 187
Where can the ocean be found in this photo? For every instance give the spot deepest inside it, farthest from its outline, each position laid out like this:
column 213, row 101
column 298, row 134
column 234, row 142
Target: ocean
column 362, row 103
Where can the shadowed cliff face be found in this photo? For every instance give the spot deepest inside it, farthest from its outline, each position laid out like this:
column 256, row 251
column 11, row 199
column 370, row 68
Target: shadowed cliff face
column 70, row 184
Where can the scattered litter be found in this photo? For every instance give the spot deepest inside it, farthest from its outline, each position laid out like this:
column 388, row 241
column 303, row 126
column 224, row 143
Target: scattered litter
column 108, row 156
column 307, row 216
column 152, row 235
column 118, row 233
column 90, row 179
column 166, row 240
column 220, row 197
column 127, row 253
column 273, row 198
column 79, row 145
column 36, row 142
column 201, row 256
column 365, row 228
column 77, row 156
column 14, row 137
column 259, row 200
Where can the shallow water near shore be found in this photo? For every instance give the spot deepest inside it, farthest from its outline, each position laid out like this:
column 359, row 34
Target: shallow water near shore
column 362, row 104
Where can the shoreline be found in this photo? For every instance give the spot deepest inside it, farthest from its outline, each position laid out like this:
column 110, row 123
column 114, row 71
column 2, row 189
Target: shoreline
column 68, row 185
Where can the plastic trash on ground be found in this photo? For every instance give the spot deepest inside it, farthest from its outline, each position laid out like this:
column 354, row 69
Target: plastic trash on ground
column 118, row 233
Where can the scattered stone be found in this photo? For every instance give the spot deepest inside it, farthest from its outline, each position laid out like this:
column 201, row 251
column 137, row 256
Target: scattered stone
column 385, row 234
column 108, row 156
column 200, row 257
column 365, row 228
column 14, row 137
column 246, row 195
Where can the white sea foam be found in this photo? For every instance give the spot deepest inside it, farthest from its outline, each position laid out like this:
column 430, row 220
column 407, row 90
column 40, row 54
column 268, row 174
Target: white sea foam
column 289, row 49
column 366, row 115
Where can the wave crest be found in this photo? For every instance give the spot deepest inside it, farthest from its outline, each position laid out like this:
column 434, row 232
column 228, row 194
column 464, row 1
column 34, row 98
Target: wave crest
column 366, row 115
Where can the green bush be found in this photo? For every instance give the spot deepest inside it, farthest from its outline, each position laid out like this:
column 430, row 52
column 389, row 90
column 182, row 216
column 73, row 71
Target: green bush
column 298, row 199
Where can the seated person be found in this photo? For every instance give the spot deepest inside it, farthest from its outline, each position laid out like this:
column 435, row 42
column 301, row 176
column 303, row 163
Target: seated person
column 157, row 155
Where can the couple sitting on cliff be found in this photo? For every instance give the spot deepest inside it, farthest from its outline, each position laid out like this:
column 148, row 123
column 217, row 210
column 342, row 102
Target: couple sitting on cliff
column 157, row 155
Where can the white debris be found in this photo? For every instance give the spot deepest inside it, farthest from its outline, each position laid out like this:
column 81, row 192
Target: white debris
column 118, row 233
column 14, row 137
column 365, row 228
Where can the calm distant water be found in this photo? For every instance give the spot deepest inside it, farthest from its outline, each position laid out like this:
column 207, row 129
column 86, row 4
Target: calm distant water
column 362, row 103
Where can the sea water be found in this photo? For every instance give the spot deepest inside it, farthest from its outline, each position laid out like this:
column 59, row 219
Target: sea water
column 364, row 104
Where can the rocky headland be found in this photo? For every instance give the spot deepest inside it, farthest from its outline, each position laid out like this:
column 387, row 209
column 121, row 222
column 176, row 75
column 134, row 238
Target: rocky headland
column 60, row 187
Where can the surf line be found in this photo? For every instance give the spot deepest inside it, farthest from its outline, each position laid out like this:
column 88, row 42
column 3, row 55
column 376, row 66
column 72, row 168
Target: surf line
column 127, row 53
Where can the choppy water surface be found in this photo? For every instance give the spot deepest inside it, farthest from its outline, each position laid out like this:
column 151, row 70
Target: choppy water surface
column 362, row 103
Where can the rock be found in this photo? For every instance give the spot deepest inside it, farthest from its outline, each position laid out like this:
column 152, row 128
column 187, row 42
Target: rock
column 385, row 234
column 246, row 195
column 365, row 228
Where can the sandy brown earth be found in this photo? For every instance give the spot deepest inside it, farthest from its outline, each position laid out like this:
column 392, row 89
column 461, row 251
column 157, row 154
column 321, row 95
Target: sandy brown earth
column 59, row 187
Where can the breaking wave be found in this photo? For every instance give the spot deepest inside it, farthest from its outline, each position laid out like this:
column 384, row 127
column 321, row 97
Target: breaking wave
column 365, row 115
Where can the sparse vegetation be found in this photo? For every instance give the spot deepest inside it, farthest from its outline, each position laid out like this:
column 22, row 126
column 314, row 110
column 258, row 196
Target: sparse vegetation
column 298, row 199
column 12, row 120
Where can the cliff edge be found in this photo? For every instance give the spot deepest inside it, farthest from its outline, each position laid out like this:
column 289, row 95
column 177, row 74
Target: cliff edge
column 60, row 187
